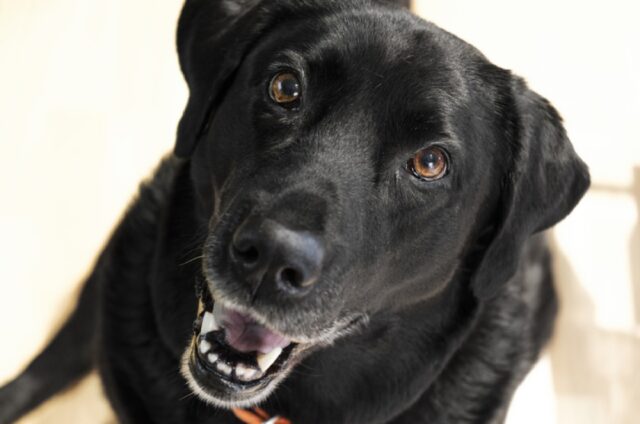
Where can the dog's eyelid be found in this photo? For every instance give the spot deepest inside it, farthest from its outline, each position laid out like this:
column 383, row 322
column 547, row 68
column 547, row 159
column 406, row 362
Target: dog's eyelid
column 287, row 60
column 448, row 144
column 284, row 67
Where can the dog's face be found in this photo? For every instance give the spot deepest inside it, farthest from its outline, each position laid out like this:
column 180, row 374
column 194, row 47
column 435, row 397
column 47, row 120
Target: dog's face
column 349, row 158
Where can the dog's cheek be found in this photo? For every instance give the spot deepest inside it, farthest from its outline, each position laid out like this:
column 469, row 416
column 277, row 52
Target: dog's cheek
column 225, row 154
column 426, row 252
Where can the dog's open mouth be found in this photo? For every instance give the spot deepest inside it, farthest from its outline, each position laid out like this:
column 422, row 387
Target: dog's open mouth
column 236, row 359
column 236, row 347
column 233, row 358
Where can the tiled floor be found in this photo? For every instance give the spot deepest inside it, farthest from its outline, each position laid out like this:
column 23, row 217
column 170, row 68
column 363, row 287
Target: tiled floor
column 90, row 99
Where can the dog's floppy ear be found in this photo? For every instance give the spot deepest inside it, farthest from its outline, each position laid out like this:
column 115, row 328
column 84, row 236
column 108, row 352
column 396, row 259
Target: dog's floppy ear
column 213, row 38
column 545, row 182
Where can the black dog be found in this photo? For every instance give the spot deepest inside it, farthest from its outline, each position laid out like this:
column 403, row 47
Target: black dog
column 354, row 194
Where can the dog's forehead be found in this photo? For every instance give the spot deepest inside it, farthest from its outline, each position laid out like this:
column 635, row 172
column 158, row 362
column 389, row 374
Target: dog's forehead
column 390, row 61
column 392, row 47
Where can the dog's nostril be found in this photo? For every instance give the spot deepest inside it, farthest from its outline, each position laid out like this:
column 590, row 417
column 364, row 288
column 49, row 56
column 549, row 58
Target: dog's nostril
column 291, row 277
column 249, row 256
column 264, row 253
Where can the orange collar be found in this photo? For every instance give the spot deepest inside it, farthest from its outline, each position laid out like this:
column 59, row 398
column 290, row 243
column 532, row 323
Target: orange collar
column 258, row 416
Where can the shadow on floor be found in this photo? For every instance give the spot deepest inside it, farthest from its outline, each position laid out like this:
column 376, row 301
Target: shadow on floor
column 634, row 247
column 596, row 370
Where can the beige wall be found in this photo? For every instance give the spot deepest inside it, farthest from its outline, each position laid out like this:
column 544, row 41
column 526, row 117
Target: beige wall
column 90, row 93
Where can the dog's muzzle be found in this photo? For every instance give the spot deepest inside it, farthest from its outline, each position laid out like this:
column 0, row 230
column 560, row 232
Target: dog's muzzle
column 237, row 356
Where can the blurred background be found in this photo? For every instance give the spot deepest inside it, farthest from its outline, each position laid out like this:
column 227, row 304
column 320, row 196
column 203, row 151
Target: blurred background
column 90, row 95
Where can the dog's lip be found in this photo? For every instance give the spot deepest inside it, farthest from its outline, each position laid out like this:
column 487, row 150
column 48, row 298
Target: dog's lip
column 252, row 313
column 207, row 303
column 343, row 324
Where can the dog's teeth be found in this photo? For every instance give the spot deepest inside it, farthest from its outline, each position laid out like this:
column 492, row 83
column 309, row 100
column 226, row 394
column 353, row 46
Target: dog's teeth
column 212, row 357
column 240, row 370
column 223, row 368
column 265, row 360
column 245, row 373
column 204, row 346
column 208, row 323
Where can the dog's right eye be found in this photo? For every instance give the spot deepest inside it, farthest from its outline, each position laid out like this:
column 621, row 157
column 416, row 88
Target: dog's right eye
column 429, row 164
column 285, row 89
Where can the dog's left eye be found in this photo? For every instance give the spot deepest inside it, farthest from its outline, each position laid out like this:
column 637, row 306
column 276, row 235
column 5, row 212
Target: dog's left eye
column 429, row 164
column 285, row 89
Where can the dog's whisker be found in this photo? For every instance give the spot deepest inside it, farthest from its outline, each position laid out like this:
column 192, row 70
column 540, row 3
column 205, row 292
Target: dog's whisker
column 191, row 260
column 187, row 396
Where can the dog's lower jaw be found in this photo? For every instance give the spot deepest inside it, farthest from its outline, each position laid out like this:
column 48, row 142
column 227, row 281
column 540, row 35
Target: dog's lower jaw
column 261, row 392
column 249, row 399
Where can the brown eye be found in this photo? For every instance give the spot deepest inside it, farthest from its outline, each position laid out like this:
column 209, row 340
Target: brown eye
column 429, row 164
column 285, row 89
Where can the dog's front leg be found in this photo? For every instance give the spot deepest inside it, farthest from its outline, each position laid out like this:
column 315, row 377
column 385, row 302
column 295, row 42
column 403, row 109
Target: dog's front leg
column 67, row 358
column 71, row 353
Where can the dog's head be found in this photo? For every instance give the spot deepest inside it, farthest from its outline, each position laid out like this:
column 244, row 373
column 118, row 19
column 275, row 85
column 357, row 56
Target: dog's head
column 351, row 159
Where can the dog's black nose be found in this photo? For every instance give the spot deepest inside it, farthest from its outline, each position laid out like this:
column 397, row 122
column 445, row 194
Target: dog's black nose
column 264, row 251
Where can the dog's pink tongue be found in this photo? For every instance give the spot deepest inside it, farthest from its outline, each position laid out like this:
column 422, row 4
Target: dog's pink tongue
column 244, row 334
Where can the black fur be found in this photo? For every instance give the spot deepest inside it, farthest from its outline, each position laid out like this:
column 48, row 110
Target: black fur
column 447, row 281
